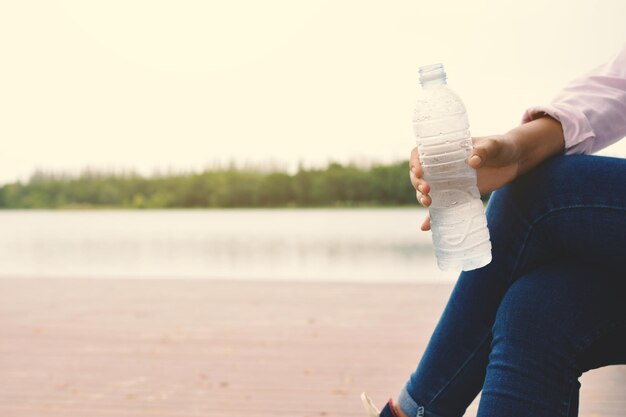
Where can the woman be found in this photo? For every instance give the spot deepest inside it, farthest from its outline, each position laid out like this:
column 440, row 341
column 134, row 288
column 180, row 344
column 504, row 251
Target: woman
column 550, row 305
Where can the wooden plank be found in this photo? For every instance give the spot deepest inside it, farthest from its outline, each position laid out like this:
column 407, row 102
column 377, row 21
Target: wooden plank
column 204, row 348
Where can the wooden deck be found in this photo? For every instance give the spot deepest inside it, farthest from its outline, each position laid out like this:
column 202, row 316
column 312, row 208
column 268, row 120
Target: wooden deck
column 90, row 348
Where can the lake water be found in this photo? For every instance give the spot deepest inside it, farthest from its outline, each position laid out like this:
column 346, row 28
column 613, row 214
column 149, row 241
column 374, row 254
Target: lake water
column 276, row 244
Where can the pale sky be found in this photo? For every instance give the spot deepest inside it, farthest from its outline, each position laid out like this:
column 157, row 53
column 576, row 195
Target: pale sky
column 184, row 84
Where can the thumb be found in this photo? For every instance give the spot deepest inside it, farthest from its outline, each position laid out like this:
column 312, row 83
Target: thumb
column 485, row 152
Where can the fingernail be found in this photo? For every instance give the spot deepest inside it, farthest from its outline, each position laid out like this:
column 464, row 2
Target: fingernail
column 476, row 159
column 414, row 170
column 420, row 189
column 422, row 200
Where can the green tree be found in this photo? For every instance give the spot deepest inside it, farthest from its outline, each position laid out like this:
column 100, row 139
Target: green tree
column 335, row 185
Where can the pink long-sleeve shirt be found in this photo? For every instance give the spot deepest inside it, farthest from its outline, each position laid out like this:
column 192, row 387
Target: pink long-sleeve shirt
column 591, row 109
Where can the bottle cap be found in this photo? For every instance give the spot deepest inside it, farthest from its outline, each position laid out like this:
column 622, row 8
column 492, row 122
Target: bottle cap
column 432, row 72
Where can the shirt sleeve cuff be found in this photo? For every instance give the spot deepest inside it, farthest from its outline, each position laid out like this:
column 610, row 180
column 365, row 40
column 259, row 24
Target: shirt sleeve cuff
column 576, row 128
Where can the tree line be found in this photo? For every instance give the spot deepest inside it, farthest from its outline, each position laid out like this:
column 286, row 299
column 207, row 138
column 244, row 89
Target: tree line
column 335, row 185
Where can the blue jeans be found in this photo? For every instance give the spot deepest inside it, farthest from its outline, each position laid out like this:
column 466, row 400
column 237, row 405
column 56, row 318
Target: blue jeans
column 549, row 307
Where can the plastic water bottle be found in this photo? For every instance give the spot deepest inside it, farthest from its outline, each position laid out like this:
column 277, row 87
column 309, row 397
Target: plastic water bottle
column 457, row 216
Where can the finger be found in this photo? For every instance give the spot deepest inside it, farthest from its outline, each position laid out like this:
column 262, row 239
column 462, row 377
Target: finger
column 414, row 164
column 423, row 186
column 417, row 170
column 485, row 151
column 419, row 184
column 414, row 180
column 418, row 197
column 426, row 223
column 424, row 200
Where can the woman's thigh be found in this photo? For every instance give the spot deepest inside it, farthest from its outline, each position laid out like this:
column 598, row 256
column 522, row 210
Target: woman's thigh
column 570, row 207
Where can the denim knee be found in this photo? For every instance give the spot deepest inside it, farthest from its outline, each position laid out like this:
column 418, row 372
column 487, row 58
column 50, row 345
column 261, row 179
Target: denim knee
column 534, row 318
column 545, row 321
column 535, row 326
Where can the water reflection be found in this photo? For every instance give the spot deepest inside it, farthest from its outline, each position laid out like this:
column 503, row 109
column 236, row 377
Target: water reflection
column 324, row 244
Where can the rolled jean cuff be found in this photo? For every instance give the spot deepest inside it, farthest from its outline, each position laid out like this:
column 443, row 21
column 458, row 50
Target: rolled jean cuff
column 408, row 405
column 411, row 408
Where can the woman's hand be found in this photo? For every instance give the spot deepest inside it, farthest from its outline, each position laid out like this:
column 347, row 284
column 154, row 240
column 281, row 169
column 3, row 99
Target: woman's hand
column 499, row 159
column 495, row 159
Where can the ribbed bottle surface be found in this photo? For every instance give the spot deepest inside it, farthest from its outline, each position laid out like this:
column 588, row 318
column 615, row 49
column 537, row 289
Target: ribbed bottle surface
column 458, row 222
